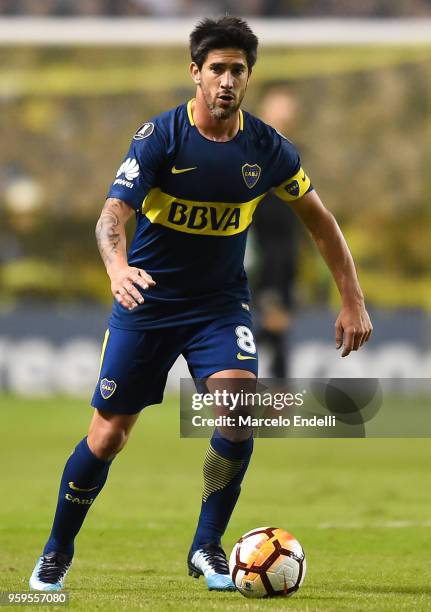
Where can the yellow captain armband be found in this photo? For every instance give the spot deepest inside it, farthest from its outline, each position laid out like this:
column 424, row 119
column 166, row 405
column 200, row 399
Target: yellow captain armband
column 295, row 187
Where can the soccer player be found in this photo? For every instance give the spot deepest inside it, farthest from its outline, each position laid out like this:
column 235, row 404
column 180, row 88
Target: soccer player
column 192, row 178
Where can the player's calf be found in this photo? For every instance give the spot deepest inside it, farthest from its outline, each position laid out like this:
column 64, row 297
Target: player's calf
column 84, row 476
column 224, row 467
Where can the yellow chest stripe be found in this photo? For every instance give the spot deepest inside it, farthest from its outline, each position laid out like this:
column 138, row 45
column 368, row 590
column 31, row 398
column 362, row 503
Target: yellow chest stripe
column 206, row 218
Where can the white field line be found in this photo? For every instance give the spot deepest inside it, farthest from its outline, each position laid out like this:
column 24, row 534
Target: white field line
column 375, row 525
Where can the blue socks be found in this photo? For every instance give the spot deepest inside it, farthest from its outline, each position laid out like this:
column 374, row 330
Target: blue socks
column 224, row 468
column 83, row 478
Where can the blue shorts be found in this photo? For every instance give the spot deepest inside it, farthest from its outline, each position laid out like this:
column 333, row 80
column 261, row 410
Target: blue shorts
column 135, row 364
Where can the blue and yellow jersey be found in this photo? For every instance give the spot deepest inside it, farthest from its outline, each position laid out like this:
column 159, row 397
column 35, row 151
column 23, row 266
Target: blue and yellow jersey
column 194, row 200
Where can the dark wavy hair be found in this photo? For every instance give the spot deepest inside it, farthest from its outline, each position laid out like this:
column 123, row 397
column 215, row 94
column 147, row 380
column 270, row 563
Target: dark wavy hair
column 222, row 33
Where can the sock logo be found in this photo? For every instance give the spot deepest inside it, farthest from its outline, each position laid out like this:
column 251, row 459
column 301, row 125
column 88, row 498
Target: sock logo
column 107, row 388
column 79, row 500
column 73, row 486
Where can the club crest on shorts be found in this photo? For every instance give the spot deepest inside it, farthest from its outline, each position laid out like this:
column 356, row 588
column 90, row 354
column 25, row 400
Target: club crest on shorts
column 107, row 388
column 251, row 174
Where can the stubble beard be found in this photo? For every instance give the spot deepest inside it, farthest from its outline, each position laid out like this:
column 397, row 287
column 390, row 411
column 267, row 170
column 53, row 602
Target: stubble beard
column 222, row 113
column 216, row 111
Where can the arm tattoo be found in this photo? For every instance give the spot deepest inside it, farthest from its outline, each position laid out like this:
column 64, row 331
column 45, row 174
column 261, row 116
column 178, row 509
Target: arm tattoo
column 110, row 233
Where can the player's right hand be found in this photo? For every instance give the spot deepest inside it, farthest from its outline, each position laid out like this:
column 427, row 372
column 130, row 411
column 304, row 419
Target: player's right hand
column 124, row 283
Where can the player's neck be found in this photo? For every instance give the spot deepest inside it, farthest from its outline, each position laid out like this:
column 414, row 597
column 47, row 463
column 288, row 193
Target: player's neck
column 219, row 130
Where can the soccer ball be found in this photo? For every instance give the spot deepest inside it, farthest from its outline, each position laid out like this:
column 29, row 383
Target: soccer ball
column 267, row 562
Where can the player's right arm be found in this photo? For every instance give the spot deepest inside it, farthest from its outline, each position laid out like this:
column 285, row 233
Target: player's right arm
column 134, row 179
column 111, row 241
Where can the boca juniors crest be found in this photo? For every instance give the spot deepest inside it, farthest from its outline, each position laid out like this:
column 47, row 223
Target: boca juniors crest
column 251, row 174
column 107, row 388
column 293, row 188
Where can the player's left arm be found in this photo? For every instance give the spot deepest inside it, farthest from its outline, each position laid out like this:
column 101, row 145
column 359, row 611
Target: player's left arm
column 353, row 325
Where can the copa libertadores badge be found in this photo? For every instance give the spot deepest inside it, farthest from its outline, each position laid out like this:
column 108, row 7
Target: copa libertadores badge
column 107, row 388
column 144, row 131
column 251, row 174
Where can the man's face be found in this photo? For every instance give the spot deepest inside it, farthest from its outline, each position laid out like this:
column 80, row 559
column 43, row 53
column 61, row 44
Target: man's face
column 223, row 81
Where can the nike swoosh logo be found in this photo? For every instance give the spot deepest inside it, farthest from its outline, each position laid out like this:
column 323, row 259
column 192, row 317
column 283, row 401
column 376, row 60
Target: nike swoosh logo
column 75, row 488
column 181, row 170
column 304, row 177
column 243, row 357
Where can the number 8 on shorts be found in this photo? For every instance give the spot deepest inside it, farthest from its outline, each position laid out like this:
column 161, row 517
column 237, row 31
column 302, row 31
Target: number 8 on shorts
column 245, row 339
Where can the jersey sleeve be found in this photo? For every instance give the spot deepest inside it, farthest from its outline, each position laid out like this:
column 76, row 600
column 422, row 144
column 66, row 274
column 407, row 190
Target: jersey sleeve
column 291, row 181
column 141, row 165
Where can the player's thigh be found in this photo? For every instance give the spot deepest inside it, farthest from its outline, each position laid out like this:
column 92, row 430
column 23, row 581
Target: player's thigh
column 133, row 371
column 223, row 358
column 225, row 344
column 237, row 389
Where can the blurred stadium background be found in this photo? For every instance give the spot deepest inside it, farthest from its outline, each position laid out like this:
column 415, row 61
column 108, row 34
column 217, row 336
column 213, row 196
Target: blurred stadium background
column 75, row 85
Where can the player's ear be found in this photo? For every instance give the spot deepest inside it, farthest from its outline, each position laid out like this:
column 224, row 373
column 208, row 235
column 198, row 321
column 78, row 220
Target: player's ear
column 195, row 73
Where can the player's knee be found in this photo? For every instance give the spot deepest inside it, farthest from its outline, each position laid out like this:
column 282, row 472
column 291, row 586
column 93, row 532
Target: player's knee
column 235, row 435
column 107, row 442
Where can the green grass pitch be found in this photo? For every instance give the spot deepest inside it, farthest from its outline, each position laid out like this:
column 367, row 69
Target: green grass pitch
column 359, row 507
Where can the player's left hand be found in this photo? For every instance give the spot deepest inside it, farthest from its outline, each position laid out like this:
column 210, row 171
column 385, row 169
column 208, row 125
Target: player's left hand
column 352, row 328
